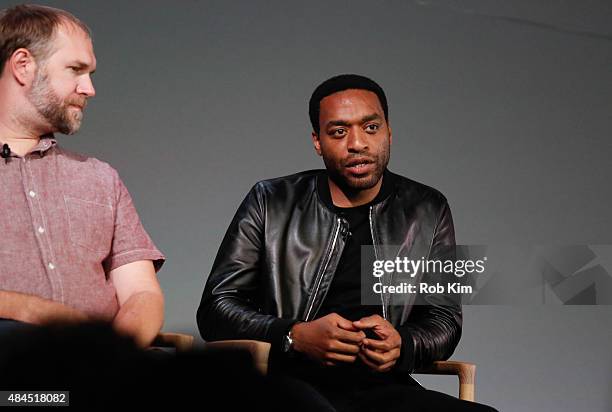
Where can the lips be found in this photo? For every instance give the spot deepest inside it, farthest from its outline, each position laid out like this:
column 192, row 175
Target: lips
column 359, row 166
column 79, row 104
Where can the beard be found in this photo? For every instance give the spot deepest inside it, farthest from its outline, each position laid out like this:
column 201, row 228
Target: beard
column 57, row 112
column 336, row 169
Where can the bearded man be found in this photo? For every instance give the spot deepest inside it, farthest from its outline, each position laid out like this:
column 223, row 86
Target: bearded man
column 72, row 247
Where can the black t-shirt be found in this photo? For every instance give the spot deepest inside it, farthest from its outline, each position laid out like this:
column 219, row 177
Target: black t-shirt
column 344, row 294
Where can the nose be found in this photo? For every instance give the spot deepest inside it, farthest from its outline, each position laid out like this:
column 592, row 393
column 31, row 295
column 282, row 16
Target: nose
column 357, row 140
column 86, row 87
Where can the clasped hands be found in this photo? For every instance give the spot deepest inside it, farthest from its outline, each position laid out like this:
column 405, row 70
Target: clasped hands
column 333, row 339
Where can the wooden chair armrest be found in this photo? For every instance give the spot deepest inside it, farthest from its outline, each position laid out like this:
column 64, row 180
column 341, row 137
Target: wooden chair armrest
column 466, row 372
column 179, row 341
column 258, row 350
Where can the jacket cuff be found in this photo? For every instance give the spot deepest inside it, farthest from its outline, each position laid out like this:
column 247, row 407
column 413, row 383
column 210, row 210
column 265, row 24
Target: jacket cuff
column 406, row 362
column 279, row 329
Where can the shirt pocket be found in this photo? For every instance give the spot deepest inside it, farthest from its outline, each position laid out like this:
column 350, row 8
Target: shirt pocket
column 91, row 224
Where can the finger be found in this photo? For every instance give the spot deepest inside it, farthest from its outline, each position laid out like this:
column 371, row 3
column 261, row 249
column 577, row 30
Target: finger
column 369, row 322
column 379, row 368
column 374, row 357
column 338, row 357
column 368, row 362
column 348, row 327
column 387, row 366
column 345, row 348
column 381, row 345
column 345, row 324
column 380, row 358
column 348, row 336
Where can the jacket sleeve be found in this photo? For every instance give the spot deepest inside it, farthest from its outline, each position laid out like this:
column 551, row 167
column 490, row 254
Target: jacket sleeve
column 229, row 309
column 433, row 329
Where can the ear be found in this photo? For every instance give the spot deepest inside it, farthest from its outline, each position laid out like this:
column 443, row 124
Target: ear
column 22, row 66
column 316, row 143
column 390, row 135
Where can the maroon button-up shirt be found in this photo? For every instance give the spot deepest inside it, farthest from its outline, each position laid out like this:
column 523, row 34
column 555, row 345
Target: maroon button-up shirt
column 66, row 221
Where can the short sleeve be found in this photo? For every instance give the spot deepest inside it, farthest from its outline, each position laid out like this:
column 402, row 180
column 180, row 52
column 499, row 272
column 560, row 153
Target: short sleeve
column 131, row 242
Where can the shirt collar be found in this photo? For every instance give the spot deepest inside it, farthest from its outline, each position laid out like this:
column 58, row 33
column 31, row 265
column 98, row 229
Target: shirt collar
column 46, row 143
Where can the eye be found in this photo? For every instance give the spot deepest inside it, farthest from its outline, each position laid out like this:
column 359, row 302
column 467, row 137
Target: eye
column 372, row 128
column 338, row 132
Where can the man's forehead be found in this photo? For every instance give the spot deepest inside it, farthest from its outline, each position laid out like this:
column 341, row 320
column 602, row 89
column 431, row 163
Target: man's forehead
column 347, row 101
column 69, row 38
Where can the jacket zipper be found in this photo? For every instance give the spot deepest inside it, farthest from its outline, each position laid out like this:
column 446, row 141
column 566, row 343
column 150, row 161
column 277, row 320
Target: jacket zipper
column 382, row 299
column 322, row 272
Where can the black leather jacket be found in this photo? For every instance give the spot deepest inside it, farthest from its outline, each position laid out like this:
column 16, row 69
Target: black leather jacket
column 280, row 252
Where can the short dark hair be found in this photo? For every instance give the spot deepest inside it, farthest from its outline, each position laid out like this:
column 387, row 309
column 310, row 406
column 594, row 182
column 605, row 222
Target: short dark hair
column 340, row 83
column 32, row 27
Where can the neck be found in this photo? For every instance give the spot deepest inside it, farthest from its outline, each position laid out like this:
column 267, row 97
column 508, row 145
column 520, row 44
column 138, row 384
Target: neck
column 20, row 145
column 14, row 131
column 352, row 198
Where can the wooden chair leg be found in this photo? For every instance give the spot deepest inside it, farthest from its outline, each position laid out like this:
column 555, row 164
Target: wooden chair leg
column 466, row 372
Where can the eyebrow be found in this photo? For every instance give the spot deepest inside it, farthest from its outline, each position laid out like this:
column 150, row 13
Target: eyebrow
column 370, row 117
column 364, row 119
column 338, row 123
column 81, row 65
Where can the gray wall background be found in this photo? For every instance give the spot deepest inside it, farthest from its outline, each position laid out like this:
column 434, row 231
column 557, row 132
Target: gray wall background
column 505, row 106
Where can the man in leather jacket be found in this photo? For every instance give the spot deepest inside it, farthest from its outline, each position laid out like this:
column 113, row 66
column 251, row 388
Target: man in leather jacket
column 288, row 269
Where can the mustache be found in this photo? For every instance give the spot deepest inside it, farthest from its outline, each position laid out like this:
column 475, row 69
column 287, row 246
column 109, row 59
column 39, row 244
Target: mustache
column 359, row 158
column 77, row 101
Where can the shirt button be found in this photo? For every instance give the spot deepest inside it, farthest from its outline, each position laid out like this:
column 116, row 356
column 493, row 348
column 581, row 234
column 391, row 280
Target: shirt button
column 51, row 266
column 41, row 229
column 32, row 193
